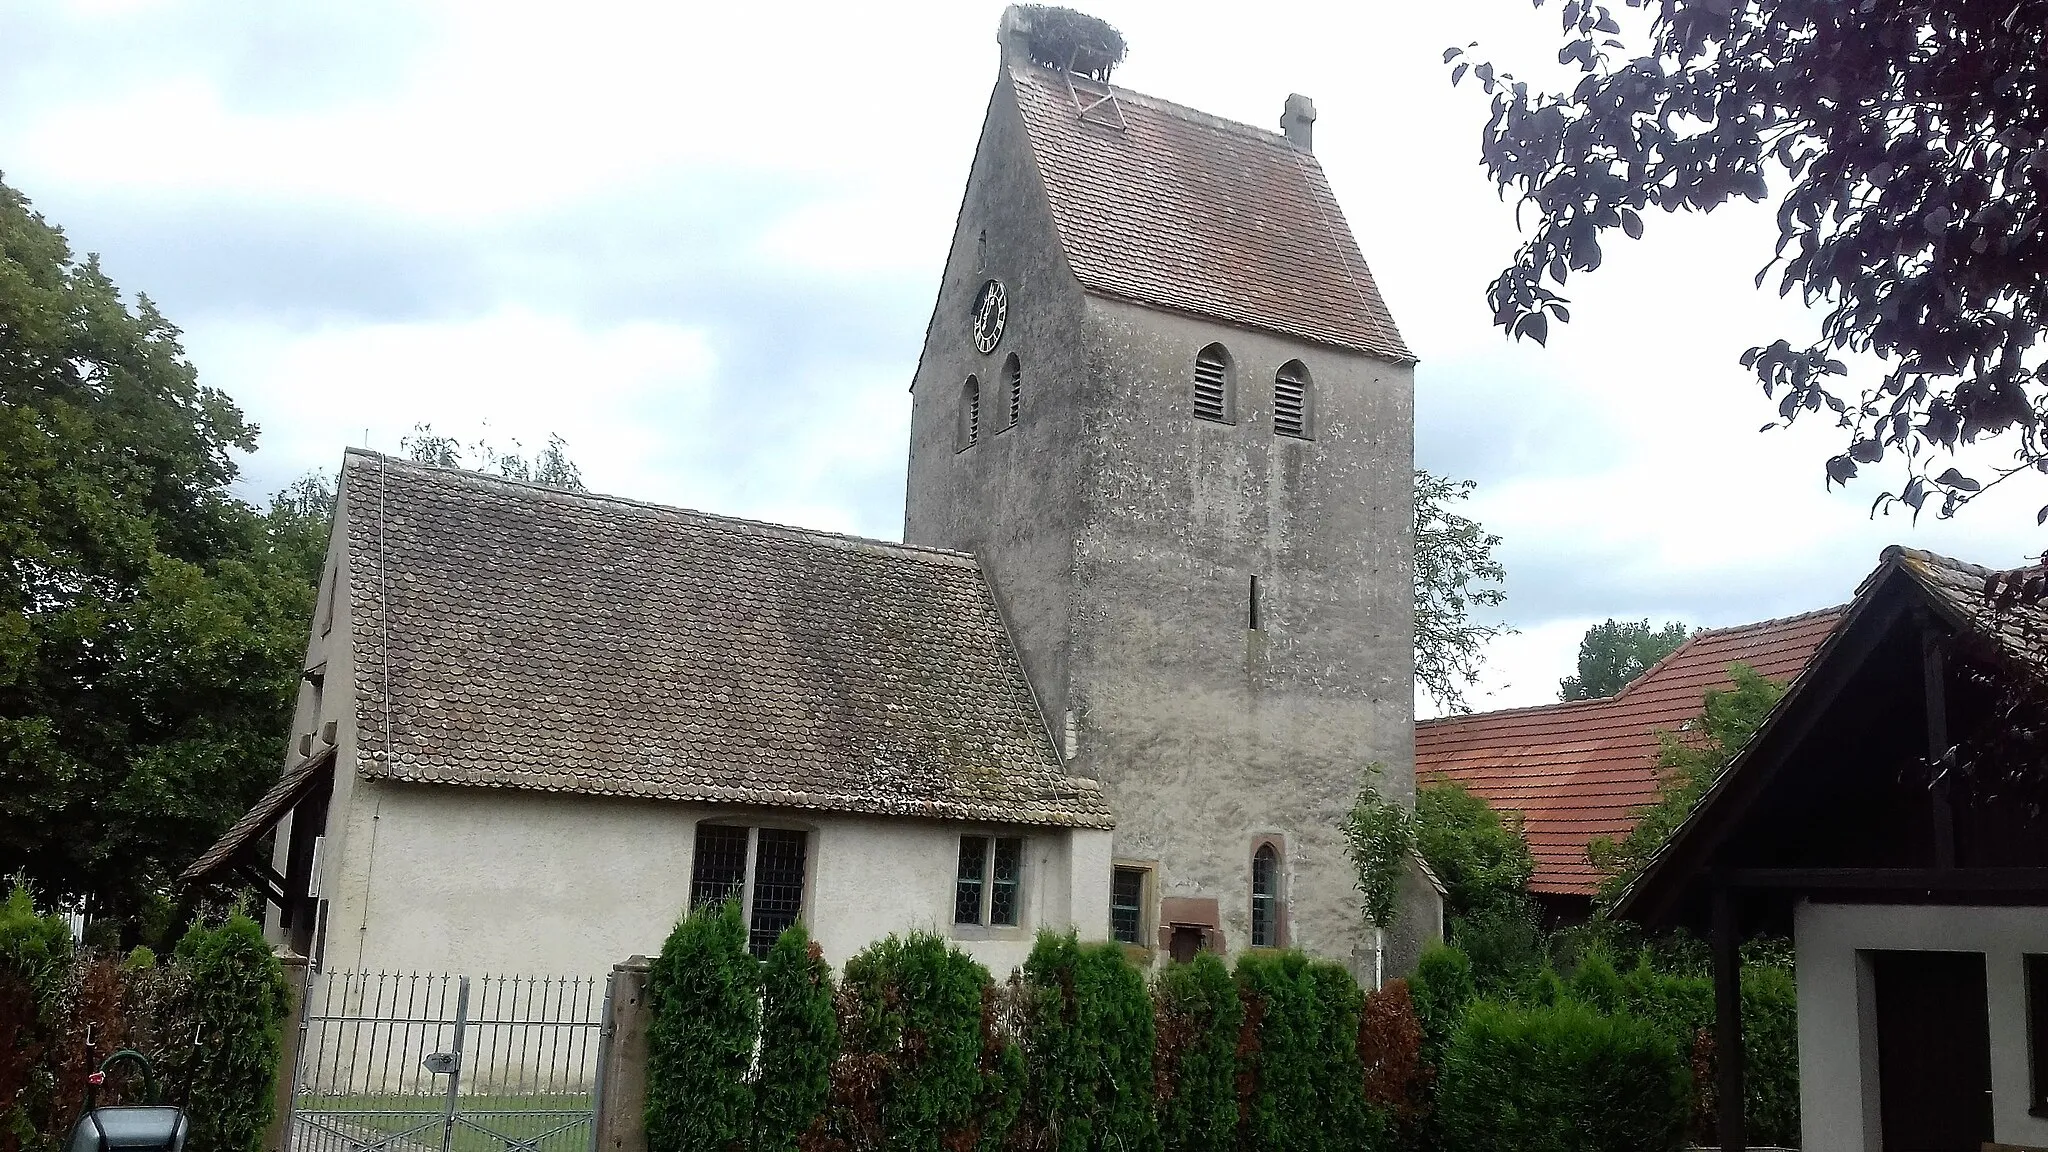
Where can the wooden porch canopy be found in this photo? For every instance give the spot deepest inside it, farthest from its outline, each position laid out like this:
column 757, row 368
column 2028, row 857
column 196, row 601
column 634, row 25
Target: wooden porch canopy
column 234, row 854
column 1834, row 797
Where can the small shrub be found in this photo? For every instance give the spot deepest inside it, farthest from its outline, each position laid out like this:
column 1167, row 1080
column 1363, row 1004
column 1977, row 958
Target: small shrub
column 1560, row 1079
column 239, row 1001
column 703, row 999
column 798, row 1040
column 1338, row 1074
column 1441, row 991
column 1770, row 1047
column 1397, row 1082
column 1276, row 1059
column 912, row 1020
column 1597, row 985
column 1198, row 1019
column 1088, row 1046
column 1506, row 946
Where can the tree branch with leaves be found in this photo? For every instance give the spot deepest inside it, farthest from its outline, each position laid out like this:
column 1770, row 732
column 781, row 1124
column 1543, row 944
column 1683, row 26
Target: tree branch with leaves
column 1455, row 573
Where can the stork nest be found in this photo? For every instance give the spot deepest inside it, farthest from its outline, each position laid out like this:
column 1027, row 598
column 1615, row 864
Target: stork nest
column 1063, row 38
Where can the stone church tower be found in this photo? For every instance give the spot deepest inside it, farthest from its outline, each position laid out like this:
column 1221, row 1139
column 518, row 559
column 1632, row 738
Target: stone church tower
column 1161, row 399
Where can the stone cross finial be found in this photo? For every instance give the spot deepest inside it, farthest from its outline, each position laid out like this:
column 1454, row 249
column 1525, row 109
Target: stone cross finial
column 1298, row 121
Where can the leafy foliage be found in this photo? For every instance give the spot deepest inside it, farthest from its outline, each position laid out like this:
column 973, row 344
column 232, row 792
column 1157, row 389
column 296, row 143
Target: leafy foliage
column 1379, row 837
column 799, row 1038
column 1907, row 139
column 1062, row 38
column 1089, row 1047
column 1397, row 1081
column 1614, row 654
column 1689, row 763
column 1563, row 1078
column 914, row 1023
column 1199, row 1020
column 703, row 996
column 1455, row 573
column 239, row 1004
column 550, row 466
column 1442, row 990
column 1482, row 859
column 130, row 574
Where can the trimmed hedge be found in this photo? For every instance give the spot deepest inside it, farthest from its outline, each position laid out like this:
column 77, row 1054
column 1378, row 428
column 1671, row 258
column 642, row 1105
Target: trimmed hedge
column 239, row 1000
column 1561, row 1079
column 703, row 994
column 1397, row 1081
column 1199, row 1019
column 1441, row 990
column 799, row 1037
column 920, row 1071
column 1088, row 1045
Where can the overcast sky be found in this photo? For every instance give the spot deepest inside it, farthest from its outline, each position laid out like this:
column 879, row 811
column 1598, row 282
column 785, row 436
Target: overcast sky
column 700, row 242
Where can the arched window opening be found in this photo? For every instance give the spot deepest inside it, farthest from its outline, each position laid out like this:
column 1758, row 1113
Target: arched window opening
column 1013, row 386
column 970, row 414
column 1213, row 391
column 1293, row 400
column 1266, row 897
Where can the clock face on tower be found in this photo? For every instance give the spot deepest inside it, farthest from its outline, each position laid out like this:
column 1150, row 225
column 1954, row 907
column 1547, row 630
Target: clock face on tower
column 991, row 310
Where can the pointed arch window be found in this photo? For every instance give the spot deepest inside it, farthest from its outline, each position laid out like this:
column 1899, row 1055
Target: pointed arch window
column 1215, row 391
column 1013, row 387
column 1266, row 896
column 970, row 415
column 1293, row 401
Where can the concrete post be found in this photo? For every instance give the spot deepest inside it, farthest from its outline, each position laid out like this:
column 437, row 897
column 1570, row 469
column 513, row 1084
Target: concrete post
column 622, row 1062
column 295, row 973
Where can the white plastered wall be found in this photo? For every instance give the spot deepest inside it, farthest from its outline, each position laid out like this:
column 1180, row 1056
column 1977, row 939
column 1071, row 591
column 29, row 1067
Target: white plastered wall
column 480, row 880
column 1837, row 1022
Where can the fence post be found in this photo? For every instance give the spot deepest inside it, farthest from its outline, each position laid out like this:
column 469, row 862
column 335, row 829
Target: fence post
column 289, row 1044
column 622, row 1062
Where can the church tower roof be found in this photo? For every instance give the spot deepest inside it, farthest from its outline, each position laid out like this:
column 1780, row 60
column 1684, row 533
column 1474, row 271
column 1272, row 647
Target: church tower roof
column 1164, row 205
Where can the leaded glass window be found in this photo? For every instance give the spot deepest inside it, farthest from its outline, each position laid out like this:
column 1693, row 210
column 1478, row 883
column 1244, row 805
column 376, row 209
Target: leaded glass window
column 1265, row 897
column 967, row 888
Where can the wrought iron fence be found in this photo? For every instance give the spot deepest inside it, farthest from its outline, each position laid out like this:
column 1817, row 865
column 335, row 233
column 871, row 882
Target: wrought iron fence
column 416, row 1062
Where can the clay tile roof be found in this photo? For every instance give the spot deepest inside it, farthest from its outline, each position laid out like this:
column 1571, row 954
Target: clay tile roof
column 1959, row 589
column 569, row 642
column 1580, row 771
column 1188, row 211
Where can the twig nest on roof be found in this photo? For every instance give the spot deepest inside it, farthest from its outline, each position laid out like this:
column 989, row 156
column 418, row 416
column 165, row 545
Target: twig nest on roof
column 1063, row 38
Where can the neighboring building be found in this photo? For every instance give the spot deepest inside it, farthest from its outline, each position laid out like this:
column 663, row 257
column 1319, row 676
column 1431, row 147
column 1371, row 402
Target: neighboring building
column 1918, row 909
column 1162, row 401
column 1582, row 771
column 1158, row 577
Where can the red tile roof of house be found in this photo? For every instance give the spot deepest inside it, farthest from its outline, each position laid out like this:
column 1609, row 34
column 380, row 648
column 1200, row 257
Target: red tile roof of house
column 1164, row 205
column 1580, row 771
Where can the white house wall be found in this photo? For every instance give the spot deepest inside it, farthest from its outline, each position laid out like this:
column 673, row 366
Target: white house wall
column 1837, row 1024
column 480, row 880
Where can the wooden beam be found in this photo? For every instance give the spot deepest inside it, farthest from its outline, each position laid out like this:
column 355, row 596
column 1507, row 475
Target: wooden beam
column 1728, row 1090
column 1935, row 681
column 1948, row 880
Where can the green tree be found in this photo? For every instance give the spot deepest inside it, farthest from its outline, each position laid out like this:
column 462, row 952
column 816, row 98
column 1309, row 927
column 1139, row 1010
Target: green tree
column 150, row 627
column 1689, row 762
column 1455, row 574
column 1482, row 860
column 1612, row 655
column 550, row 465
column 1902, row 145
column 239, row 1001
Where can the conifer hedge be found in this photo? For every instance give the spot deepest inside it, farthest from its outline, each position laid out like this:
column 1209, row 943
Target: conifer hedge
column 704, row 999
column 239, row 1001
column 1277, row 1057
column 1199, row 1019
column 1089, row 1038
column 799, row 1038
column 925, row 1076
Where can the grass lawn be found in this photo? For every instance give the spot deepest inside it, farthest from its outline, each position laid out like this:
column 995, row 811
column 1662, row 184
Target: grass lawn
column 553, row 1123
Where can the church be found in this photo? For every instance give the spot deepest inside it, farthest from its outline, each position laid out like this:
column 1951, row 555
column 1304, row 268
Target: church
column 1147, row 632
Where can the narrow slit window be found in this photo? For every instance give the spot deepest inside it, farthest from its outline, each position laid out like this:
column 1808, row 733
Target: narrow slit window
column 1251, row 616
column 778, row 886
column 1013, row 386
column 1292, row 400
column 720, row 868
column 1127, row 905
column 1265, row 897
column 970, row 414
column 1212, row 384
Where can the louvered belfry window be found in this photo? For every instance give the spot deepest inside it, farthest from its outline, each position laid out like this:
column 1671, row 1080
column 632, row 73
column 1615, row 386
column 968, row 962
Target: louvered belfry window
column 1212, row 384
column 1013, row 385
column 970, row 414
column 1291, row 400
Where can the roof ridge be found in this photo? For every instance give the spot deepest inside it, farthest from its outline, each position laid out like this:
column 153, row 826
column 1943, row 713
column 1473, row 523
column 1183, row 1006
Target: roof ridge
column 1922, row 555
column 814, row 535
column 1184, row 111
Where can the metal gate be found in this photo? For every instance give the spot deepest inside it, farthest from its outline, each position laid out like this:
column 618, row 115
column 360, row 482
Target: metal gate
column 411, row 1062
